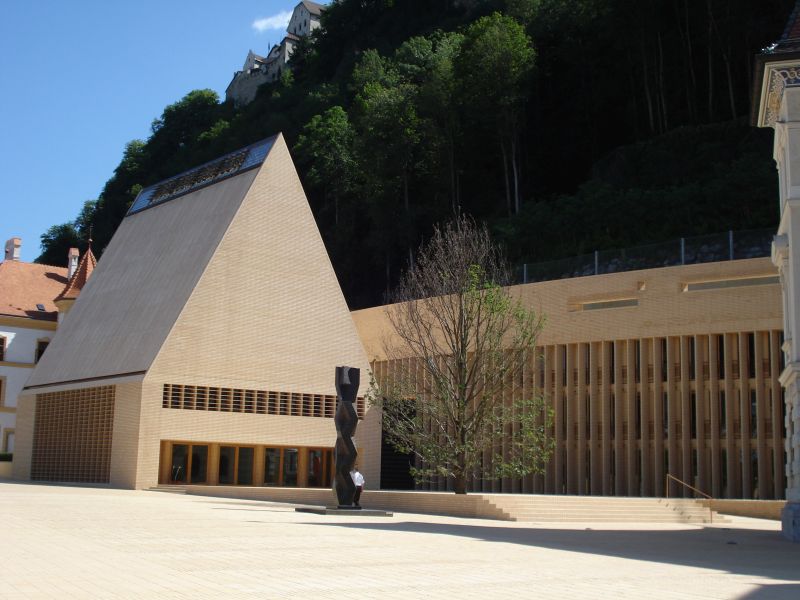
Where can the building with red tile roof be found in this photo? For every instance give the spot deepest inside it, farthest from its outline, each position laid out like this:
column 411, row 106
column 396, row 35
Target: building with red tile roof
column 33, row 298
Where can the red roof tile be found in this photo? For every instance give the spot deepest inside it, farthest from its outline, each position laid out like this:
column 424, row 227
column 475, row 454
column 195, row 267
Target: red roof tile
column 80, row 277
column 24, row 285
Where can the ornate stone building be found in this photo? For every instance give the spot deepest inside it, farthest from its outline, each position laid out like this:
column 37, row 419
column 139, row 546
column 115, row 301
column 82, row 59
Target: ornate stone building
column 777, row 105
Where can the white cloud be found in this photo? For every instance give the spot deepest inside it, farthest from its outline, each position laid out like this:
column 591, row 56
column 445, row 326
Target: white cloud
column 279, row 21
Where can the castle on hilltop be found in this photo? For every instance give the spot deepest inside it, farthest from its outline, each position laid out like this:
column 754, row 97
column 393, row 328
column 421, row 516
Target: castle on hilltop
column 258, row 70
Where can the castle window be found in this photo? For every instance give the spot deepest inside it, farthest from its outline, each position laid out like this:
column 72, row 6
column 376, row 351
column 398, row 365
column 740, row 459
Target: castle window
column 2, row 348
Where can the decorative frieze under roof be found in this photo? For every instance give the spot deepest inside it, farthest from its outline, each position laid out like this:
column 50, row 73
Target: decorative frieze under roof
column 777, row 67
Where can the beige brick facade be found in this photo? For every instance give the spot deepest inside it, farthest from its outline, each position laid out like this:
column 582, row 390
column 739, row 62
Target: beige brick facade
column 670, row 370
column 218, row 321
column 226, row 287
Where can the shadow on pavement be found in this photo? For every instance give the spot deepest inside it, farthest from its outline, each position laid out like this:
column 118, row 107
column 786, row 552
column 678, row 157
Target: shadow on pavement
column 742, row 551
column 781, row 591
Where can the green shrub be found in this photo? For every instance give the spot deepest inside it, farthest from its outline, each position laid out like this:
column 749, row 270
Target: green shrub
column 6, row 456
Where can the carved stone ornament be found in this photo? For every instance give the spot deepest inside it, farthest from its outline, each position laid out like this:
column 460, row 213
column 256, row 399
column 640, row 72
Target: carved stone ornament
column 780, row 77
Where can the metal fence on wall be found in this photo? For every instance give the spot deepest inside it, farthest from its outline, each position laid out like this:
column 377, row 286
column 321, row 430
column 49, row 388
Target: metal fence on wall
column 731, row 245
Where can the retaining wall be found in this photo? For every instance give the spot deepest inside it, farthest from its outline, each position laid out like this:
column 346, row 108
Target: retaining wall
column 757, row 509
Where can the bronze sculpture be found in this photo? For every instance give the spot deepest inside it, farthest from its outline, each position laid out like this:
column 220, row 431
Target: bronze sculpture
column 346, row 420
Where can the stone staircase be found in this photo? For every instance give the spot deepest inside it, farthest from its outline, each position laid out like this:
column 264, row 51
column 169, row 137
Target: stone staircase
column 601, row 509
column 504, row 507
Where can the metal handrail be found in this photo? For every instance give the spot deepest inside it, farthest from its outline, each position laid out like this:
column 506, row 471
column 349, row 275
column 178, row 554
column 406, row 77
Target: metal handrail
column 683, row 483
column 694, row 489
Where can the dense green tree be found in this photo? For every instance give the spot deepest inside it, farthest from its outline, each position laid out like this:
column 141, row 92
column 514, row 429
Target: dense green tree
column 470, row 336
column 56, row 243
column 326, row 146
column 495, row 67
column 429, row 64
column 687, row 182
column 448, row 116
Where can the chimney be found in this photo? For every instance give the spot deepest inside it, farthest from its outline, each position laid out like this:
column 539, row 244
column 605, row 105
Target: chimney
column 72, row 262
column 12, row 248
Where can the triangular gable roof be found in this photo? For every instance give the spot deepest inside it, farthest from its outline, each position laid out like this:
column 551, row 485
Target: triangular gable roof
column 224, row 283
column 149, row 269
column 79, row 278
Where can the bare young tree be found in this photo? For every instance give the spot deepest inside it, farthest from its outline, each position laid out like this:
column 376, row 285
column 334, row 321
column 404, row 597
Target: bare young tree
column 460, row 340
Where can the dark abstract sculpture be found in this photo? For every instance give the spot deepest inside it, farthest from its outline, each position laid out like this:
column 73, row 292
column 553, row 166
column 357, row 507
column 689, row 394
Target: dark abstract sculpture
column 346, row 420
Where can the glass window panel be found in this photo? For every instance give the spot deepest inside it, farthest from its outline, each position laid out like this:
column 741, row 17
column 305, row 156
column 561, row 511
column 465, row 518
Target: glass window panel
column 290, row 467
column 245, row 471
column 227, row 459
column 180, row 461
column 315, row 470
column 272, row 465
column 206, row 174
column 199, row 464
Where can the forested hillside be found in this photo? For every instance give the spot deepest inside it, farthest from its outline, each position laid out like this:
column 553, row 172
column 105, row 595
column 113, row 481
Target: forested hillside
column 568, row 125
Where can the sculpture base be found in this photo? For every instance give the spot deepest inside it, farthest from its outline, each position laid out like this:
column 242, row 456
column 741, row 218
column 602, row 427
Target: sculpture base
column 352, row 511
column 791, row 521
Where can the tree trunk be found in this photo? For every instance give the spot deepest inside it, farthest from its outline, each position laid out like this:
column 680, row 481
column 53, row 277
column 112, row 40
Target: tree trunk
column 451, row 158
column 647, row 96
column 634, row 97
column 726, row 58
column 731, row 93
column 685, row 31
column 505, row 177
column 710, row 64
column 405, row 191
column 515, row 172
column 661, row 92
column 388, row 276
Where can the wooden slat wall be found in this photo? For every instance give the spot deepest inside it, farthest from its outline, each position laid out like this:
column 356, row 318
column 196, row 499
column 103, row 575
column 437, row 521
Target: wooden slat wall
column 627, row 412
column 72, row 435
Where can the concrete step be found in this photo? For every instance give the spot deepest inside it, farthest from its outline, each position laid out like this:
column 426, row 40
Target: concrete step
column 602, row 509
column 611, row 520
column 608, row 511
column 169, row 489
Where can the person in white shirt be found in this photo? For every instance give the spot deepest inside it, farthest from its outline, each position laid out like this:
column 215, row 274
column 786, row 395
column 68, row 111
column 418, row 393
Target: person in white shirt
column 358, row 480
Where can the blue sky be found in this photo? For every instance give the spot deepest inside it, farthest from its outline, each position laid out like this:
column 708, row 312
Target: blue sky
column 80, row 79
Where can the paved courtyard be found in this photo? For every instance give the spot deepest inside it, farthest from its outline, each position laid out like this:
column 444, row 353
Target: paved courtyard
column 71, row 542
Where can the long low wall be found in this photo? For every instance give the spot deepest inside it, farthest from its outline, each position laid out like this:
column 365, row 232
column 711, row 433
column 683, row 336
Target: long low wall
column 757, row 509
column 436, row 503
